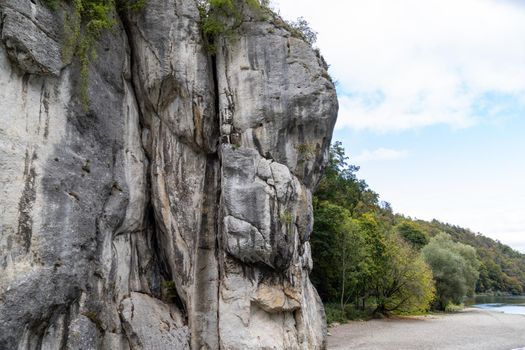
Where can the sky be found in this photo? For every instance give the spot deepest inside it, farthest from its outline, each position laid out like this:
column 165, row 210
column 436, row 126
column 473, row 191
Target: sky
column 431, row 104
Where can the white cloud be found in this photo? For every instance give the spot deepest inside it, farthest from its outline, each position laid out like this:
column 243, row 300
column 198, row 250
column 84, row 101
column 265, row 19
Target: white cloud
column 431, row 61
column 380, row 154
column 404, row 64
column 397, row 114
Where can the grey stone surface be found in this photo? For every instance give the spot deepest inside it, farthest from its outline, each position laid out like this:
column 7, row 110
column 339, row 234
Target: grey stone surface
column 150, row 324
column 31, row 35
column 175, row 211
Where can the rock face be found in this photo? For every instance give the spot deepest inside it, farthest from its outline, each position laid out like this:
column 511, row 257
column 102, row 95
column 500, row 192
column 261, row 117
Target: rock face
column 175, row 211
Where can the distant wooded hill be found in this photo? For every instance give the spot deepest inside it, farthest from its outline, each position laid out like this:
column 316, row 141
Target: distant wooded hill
column 502, row 268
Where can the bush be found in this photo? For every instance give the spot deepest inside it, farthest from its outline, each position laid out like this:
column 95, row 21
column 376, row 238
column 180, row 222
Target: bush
column 302, row 29
column 451, row 307
column 334, row 314
column 220, row 18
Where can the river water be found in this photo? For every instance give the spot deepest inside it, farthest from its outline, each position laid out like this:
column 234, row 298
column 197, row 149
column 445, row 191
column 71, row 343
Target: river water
column 505, row 304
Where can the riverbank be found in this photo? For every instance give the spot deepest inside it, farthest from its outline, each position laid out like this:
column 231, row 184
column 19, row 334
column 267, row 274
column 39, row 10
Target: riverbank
column 472, row 329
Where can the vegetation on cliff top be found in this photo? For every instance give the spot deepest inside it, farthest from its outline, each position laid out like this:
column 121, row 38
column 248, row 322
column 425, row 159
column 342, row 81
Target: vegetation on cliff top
column 221, row 19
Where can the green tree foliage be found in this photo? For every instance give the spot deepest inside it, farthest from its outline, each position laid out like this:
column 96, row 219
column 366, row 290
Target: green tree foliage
column 221, row 18
column 340, row 185
column 413, row 233
column 455, row 268
column 302, row 28
column 359, row 258
column 502, row 269
column 362, row 253
column 400, row 281
column 342, row 255
column 406, row 283
column 218, row 17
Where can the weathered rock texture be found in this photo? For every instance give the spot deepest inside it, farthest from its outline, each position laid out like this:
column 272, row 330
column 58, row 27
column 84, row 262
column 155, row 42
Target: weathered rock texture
column 175, row 212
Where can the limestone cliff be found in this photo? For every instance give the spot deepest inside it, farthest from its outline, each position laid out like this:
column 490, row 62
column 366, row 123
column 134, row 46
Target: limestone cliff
column 175, row 211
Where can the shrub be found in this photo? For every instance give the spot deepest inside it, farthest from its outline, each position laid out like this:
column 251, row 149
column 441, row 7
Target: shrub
column 220, row 18
column 451, row 307
column 334, row 314
column 306, row 151
column 302, row 29
column 169, row 290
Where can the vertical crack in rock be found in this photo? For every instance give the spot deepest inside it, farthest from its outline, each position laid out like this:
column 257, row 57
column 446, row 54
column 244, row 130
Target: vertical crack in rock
column 217, row 201
column 25, row 205
column 133, row 329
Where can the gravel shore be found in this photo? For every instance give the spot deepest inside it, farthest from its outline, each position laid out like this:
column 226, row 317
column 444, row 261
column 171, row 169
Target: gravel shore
column 471, row 329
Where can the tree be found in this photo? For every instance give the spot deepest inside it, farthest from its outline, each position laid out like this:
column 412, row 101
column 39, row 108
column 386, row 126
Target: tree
column 365, row 253
column 340, row 185
column 412, row 233
column 358, row 257
column 353, row 257
column 455, row 268
column 340, row 251
column 401, row 281
column 303, row 28
column 502, row 266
